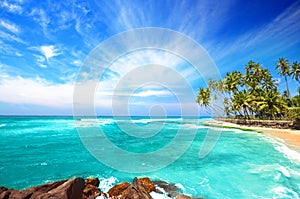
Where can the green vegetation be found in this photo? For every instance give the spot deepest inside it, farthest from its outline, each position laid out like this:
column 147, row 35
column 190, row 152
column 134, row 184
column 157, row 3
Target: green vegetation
column 254, row 94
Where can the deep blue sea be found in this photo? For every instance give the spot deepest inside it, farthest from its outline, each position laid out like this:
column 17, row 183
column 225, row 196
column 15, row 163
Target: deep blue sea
column 35, row 150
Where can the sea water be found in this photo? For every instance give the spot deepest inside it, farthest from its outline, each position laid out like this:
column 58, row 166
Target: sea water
column 242, row 164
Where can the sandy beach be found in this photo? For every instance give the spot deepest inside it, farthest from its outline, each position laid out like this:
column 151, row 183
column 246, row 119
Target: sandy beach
column 289, row 136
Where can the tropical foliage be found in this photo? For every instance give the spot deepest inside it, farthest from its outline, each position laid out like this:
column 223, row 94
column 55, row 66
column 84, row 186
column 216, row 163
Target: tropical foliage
column 253, row 93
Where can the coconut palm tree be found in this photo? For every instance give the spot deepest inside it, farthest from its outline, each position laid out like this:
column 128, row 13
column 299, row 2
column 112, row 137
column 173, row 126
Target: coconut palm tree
column 267, row 81
column 295, row 71
column 203, row 98
column 240, row 102
column 284, row 70
column 271, row 103
column 253, row 76
column 232, row 81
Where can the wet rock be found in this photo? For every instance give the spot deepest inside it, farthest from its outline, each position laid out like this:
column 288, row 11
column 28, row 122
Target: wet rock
column 170, row 189
column 118, row 189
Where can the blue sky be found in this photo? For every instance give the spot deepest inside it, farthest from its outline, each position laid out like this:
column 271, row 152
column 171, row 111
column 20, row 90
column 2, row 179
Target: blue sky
column 43, row 44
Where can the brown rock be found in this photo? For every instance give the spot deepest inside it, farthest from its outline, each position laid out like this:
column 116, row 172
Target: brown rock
column 118, row 189
column 136, row 191
column 181, row 196
column 92, row 181
column 4, row 193
column 148, row 184
column 65, row 189
column 71, row 189
column 90, row 192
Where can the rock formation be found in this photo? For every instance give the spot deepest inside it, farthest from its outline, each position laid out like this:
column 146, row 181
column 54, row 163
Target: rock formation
column 78, row 188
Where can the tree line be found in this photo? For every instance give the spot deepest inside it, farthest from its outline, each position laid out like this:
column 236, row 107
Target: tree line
column 254, row 93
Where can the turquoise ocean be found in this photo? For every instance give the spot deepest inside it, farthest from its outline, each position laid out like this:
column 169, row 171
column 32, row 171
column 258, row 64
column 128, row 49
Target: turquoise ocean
column 242, row 164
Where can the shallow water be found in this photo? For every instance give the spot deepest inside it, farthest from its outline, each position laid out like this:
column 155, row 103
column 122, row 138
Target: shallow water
column 36, row 150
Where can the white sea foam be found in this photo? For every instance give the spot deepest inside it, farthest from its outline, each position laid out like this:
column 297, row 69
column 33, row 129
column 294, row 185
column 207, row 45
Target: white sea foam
column 107, row 183
column 289, row 153
column 283, row 192
column 180, row 186
column 149, row 120
column 194, row 126
column 280, row 145
column 44, row 164
column 284, row 171
column 156, row 195
column 100, row 197
column 89, row 122
column 2, row 125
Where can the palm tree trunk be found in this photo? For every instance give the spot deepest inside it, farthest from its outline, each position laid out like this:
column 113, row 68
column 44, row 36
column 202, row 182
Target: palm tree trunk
column 287, row 87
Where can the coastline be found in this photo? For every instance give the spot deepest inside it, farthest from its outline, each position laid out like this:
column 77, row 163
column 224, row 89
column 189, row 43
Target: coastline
column 289, row 136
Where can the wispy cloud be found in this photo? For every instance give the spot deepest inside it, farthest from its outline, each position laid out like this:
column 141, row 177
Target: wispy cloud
column 10, row 37
column 49, row 51
column 11, row 7
column 40, row 16
column 9, row 26
column 281, row 33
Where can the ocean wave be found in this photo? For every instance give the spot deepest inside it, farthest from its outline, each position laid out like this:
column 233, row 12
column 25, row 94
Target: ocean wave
column 93, row 122
column 194, row 126
column 283, row 192
column 146, row 121
column 280, row 145
column 2, row 125
column 156, row 195
column 107, row 183
column 291, row 154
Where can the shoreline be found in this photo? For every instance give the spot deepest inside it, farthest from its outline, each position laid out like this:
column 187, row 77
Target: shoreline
column 290, row 136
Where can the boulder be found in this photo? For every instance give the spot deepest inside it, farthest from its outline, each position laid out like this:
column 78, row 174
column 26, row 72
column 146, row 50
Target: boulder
column 136, row 191
column 118, row 189
column 170, row 189
column 90, row 192
column 148, row 184
column 92, row 181
column 65, row 189
column 70, row 189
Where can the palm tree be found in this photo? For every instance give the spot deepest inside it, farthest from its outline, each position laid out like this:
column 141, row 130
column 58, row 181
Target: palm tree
column 267, row 81
column 203, row 98
column 253, row 76
column 271, row 103
column 284, row 70
column 295, row 71
column 232, row 81
column 240, row 101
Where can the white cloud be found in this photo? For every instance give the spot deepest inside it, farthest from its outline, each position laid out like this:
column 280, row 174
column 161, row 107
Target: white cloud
column 148, row 93
column 77, row 62
column 36, row 91
column 14, row 8
column 49, row 51
column 40, row 16
column 18, row 54
column 9, row 26
column 10, row 37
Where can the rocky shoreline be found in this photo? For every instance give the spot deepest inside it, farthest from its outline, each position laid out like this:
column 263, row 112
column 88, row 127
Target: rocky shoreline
column 79, row 188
